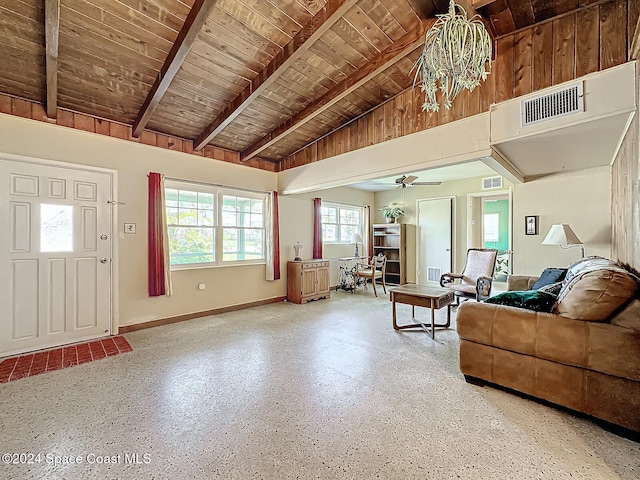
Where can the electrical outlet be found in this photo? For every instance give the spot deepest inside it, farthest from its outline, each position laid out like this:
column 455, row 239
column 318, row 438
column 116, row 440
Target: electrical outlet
column 130, row 228
column 202, row 286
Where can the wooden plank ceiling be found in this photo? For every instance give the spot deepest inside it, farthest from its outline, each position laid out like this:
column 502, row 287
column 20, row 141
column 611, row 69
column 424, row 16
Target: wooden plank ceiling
column 255, row 76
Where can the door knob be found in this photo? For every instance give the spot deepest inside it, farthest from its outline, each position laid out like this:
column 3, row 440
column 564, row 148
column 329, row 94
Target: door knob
column 103, row 260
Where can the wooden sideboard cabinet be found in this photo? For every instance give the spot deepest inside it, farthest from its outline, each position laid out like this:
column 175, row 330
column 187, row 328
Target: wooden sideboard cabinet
column 307, row 280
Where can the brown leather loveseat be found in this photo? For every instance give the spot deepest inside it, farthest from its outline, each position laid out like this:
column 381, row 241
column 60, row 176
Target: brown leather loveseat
column 585, row 355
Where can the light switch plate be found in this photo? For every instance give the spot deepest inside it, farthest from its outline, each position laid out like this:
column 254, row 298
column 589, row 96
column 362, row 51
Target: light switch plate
column 130, row 228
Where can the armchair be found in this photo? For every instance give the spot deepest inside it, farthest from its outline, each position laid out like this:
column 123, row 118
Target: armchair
column 476, row 279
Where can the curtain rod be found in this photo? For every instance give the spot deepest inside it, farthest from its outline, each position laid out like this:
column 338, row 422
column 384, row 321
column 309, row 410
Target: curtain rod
column 219, row 185
column 346, row 204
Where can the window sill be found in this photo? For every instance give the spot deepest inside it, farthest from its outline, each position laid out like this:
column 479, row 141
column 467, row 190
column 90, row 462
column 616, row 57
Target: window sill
column 178, row 268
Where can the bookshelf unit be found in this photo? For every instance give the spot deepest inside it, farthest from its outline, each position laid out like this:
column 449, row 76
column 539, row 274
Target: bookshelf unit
column 390, row 240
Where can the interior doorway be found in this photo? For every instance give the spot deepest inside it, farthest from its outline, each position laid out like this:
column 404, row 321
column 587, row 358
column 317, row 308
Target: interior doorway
column 434, row 239
column 490, row 226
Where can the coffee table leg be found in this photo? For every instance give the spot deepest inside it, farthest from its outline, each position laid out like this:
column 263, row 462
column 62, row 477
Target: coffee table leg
column 433, row 320
column 393, row 311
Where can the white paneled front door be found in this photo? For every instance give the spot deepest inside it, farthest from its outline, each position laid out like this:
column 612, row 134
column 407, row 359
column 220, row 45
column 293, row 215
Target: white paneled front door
column 55, row 256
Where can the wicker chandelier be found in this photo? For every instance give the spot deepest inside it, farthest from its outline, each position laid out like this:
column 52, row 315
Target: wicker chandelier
column 457, row 53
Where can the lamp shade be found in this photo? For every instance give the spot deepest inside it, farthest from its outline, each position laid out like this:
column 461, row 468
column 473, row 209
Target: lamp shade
column 356, row 238
column 561, row 234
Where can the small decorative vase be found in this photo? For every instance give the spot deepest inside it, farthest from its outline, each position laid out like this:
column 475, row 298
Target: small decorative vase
column 390, row 219
column 297, row 248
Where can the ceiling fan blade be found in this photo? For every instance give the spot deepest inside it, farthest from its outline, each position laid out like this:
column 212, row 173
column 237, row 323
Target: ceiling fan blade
column 400, row 180
column 410, row 179
column 426, row 183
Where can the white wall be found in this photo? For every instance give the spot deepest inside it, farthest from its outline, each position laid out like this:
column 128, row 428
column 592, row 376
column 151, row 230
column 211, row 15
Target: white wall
column 581, row 199
column 298, row 212
column 408, row 197
column 226, row 286
column 449, row 144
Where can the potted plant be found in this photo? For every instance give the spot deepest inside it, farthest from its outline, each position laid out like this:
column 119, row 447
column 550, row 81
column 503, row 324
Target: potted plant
column 391, row 212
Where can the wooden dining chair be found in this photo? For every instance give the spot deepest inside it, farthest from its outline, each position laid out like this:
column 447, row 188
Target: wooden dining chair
column 372, row 271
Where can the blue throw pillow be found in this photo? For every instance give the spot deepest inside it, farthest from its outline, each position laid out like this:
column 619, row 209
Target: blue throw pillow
column 529, row 299
column 549, row 276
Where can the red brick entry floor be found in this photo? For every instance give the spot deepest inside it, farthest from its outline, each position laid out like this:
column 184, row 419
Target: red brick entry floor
column 32, row 364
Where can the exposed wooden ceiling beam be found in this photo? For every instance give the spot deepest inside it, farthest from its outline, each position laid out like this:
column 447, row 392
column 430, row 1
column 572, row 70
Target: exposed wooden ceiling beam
column 481, row 3
column 375, row 66
column 187, row 35
column 300, row 43
column 51, row 30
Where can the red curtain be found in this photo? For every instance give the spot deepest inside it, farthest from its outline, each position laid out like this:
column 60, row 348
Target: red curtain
column 157, row 267
column 317, row 228
column 276, row 238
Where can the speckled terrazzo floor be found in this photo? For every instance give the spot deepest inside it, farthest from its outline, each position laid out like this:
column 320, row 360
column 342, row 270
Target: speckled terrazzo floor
column 325, row 390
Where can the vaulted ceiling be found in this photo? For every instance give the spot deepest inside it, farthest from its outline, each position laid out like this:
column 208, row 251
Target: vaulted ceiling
column 264, row 78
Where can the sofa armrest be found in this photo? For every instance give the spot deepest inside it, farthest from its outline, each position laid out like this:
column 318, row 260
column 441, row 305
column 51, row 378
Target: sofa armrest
column 520, row 282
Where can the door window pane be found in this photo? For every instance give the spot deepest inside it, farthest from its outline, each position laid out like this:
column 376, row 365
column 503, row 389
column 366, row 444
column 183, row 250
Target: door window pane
column 56, row 228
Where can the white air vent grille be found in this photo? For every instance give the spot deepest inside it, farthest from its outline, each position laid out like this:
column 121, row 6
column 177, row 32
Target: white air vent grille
column 434, row 274
column 491, row 182
column 553, row 105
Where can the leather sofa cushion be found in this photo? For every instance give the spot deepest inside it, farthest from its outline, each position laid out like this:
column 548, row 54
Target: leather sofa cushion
column 602, row 347
column 595, row 295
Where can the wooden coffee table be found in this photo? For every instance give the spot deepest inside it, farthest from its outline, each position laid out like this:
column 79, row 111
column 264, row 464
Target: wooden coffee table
column 422, row 296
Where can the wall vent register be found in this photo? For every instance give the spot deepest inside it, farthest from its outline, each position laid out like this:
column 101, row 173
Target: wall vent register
column 491, row 182
column 563, row 102
column 434, row 274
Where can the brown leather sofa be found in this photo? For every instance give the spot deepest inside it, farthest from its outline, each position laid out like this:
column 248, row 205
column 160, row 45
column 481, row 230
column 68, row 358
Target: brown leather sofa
column 585, row 355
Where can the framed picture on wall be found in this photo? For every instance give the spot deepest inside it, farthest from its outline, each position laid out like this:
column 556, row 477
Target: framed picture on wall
column 531, row 225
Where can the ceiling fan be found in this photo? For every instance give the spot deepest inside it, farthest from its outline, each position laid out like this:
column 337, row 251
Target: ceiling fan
column 405, row 181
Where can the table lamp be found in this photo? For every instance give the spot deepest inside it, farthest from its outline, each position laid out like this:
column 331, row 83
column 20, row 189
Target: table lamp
column 356, row 238
column 562, row 234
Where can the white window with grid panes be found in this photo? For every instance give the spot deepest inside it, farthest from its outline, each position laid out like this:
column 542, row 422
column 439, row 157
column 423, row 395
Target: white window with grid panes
column 340, row 222
column 209, row 226
column 242, row 228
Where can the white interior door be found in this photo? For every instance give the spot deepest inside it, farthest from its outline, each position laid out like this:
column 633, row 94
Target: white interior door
column 55, row 253
column 434, row 239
